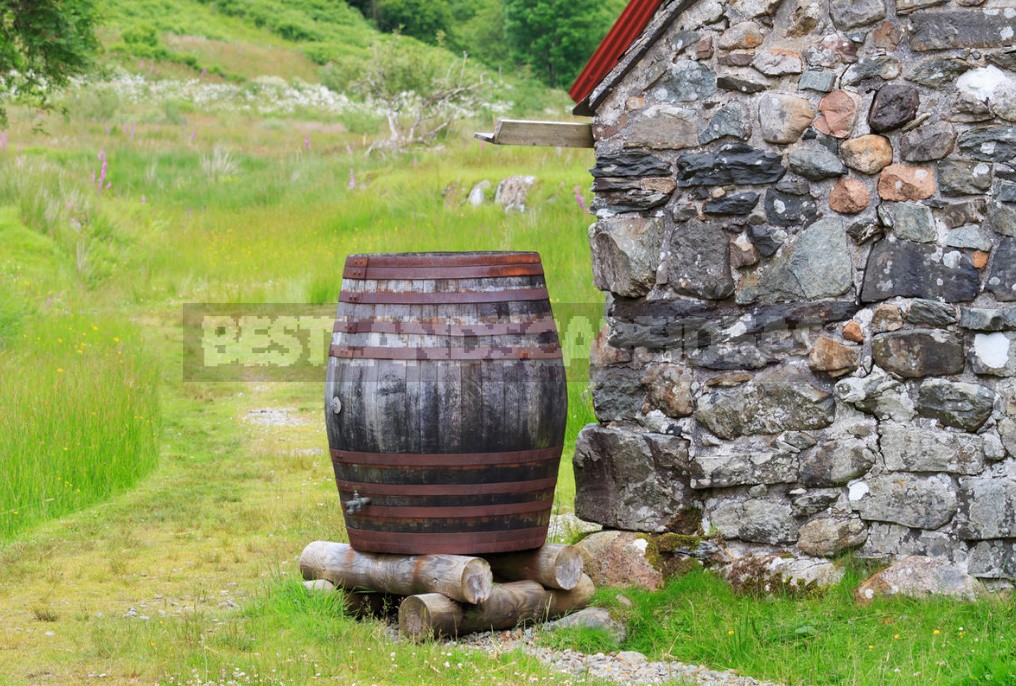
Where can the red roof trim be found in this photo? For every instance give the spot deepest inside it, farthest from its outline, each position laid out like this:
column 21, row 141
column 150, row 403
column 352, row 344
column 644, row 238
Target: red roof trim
column 628, row 27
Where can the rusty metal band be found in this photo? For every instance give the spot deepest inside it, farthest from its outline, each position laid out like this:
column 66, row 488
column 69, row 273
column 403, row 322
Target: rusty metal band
column 367, row 488
column 473, row 542
column 465, row 512
column 446, row 459
column 371, row 273
column 443, row 259
column 448, row 298
column 435, row 354
column 534, row 327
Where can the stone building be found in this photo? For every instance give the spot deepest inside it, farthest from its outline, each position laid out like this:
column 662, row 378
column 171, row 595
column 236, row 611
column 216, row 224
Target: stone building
column 806, row 221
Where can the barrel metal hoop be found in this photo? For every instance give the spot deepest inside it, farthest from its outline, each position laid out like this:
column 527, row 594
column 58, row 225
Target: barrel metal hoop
column 464, row 512
column 549, row 352
column 444, row 298
column 472, row 542
column 375, row 489
column 537, row 326
column 445, row 459
column 372, row 273
column 443, row 259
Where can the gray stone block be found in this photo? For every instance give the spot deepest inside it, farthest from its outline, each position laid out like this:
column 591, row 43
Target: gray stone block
column 916, row 270
column 755, row 520
column 782, row 399
column 634, row 481
column 907, row 448
column 1002, row 278
column 962, row 405
column 731, row 163
column 989, row 143
column 962, row 29
column 988, row 505
column 626, row 254
column 919, row 502
column 698, row 262
column 918, row 353
column 836, row 462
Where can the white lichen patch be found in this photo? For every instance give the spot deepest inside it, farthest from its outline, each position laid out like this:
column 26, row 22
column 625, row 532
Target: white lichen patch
column 857, row 490
column 992, row 349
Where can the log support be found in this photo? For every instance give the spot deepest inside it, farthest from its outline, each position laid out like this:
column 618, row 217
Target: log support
column 466, row 579
column 554, row 566
column 433, row 615
column 449, row 595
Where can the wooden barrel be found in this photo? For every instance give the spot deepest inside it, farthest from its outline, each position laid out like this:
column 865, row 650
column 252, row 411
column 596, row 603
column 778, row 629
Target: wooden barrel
column 445, row 402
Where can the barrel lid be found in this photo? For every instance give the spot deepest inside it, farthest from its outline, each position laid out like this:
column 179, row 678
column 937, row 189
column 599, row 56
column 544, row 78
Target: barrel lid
column 442, row 259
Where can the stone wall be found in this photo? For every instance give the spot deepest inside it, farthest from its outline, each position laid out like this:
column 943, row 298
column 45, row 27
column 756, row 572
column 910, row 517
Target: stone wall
column 807, row 219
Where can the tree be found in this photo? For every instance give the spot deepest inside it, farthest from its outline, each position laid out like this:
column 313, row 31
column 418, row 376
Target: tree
column 421, row 19
column 556, row 37
column 43, row 43
column 478, row 29
column 421, row 90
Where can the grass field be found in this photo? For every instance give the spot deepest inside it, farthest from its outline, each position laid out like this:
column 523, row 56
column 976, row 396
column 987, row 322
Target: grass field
column 150, row 526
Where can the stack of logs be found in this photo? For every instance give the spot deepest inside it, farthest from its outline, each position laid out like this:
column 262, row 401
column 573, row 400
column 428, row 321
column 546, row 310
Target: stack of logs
column 449, row 595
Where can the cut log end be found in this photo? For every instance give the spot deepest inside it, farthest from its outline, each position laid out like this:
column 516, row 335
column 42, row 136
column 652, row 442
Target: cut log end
column 467, row 579
column 477, row 581
column 569, row 567
column 429, row 615
column 563, row 602
column 555, row 566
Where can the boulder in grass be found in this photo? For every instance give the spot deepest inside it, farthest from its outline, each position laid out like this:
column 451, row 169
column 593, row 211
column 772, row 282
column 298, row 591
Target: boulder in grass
column 513, row 192
column 618, row 558
column 917, row 576
column 590, row 618
column 771, row 574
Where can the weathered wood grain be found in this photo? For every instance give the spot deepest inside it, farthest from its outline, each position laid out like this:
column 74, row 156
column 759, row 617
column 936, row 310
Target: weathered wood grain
column 554, row 566
column 467, row 579
column 432, row 614
column 540, row 133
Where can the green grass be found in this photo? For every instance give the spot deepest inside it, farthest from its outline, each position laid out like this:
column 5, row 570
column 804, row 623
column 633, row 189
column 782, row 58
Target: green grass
column 821, row 639
column 183, row 495
column 80, row 419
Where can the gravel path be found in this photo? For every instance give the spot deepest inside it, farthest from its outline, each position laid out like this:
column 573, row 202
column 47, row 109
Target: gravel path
column 626, row 667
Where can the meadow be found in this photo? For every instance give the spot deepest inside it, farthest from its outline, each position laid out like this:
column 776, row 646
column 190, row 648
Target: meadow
column 150, row 525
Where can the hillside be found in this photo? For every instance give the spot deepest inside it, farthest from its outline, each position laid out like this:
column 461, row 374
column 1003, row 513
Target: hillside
column 239, row 37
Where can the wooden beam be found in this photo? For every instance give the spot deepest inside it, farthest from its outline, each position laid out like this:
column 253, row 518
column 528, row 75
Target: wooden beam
column 558, row 134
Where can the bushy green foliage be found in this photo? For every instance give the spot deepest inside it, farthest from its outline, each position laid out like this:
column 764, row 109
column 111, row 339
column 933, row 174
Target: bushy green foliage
column 555, row 37
column 478, row 30
column 42, row 44
column 427, row 20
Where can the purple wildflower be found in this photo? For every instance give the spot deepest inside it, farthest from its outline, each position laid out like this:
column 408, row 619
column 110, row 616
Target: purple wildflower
column 579, row 199
column 306, row 143
column 3, row 140
column 103, row 170
column 352, row 179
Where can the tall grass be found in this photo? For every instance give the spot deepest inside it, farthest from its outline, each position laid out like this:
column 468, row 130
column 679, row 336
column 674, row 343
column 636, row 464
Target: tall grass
column 79, row 421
